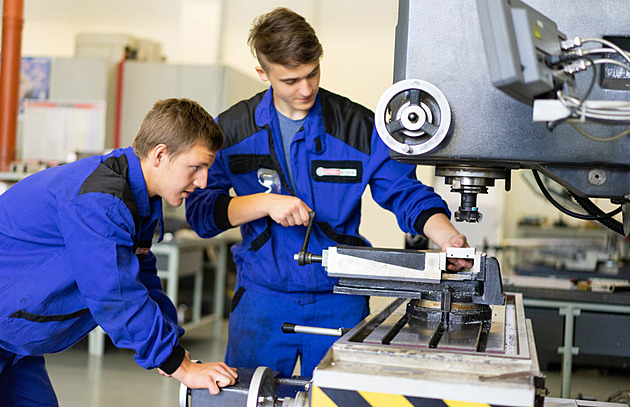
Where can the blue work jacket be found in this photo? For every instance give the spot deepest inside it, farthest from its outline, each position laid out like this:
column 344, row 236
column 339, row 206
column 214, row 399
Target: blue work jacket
column 333, row 157
column 74, row 253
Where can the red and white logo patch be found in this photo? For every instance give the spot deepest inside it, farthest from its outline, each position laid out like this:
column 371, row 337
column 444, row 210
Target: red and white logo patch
column 336, row 172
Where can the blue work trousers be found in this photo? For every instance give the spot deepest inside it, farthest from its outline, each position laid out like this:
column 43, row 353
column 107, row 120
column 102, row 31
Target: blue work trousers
column 24, row 381
column 255, row 327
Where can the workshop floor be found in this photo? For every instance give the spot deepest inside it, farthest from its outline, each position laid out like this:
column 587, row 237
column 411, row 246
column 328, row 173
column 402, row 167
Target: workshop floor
column 81, row 380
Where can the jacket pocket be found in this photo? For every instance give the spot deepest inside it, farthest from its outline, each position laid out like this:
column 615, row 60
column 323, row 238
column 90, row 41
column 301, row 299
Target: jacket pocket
column 29, row 333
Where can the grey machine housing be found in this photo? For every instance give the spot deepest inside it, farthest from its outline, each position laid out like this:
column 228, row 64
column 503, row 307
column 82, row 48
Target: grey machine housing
column 487, row 58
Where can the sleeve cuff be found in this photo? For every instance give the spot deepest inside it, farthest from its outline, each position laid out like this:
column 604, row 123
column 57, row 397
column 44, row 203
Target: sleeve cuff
column 424, row 217
column 221, row 219
column 174, row 361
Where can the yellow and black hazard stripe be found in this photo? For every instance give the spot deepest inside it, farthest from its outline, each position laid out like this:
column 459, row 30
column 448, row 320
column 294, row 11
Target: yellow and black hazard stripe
column 325, row 397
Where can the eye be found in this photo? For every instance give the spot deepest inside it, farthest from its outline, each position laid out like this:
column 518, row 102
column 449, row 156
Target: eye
column 290, row 82
column 195, row 167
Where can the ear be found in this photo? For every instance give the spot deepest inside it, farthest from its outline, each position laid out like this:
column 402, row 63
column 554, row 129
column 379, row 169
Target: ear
column 158, row 155
column 262, row 74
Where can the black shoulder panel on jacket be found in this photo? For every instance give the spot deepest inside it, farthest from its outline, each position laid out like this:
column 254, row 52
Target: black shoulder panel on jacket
column 112, row 177
column 239, row 121
column 347, row 121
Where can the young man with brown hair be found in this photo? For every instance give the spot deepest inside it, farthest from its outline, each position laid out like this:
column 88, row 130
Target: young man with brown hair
column 75, row 253
column 289, row 150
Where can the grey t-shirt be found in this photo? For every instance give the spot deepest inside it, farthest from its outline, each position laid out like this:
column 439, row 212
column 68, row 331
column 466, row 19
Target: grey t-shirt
column 288, row 128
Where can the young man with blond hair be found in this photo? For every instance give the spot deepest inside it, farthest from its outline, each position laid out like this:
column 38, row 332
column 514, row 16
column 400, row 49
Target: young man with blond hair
column 75, row 253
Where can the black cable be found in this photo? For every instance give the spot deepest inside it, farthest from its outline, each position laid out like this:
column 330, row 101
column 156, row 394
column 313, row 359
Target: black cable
column 558, row 61
column 591, row 208
column 566, row 211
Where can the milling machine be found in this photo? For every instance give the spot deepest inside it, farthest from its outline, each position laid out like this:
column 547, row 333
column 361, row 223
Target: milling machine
column 446, row 338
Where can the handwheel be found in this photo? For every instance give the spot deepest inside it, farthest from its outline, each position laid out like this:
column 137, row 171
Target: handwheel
column 412, row 117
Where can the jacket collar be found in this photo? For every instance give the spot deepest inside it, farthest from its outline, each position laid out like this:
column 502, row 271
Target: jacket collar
column 265, row 110
column 266, row 114
column 147, row 207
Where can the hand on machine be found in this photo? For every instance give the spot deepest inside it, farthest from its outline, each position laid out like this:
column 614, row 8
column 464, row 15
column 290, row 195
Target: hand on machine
column 209, row 376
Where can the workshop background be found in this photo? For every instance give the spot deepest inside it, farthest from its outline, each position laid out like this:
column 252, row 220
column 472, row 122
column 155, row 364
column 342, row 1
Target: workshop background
column 181, row 41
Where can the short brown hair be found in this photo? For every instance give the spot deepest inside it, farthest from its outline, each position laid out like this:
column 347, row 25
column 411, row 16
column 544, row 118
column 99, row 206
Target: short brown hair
column 283, row 37
column 180, row 124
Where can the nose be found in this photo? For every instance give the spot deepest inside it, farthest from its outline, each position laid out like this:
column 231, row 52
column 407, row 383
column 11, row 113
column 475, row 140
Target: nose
column 201, row 181
column 305, row 88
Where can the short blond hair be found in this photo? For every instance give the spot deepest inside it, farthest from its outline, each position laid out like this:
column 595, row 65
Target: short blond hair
column 180, row 124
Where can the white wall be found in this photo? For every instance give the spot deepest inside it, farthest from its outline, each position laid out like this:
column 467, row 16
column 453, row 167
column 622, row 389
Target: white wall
column 186, row 28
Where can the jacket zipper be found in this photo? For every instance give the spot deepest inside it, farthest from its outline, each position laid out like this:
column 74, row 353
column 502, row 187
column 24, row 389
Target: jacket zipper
column 276, row 162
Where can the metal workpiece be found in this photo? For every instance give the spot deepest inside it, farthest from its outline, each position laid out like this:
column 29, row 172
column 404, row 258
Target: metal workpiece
column 365, row 359
column 412, row 273
column 461, row 252
column 385, row 264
